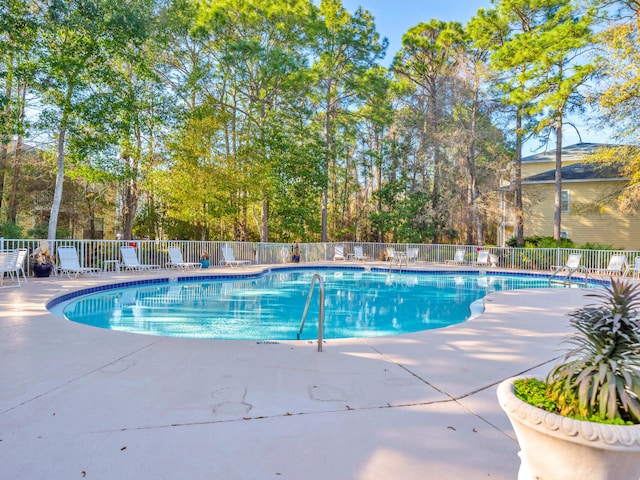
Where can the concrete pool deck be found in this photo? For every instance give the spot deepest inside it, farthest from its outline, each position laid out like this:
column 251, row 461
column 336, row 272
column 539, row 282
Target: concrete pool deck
column 81, row 402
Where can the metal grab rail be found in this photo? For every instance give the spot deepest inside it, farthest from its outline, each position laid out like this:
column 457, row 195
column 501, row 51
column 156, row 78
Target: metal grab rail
column 320, row 312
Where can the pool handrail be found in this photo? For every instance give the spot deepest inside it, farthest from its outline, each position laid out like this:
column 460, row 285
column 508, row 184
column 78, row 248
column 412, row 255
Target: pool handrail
column 320, row 311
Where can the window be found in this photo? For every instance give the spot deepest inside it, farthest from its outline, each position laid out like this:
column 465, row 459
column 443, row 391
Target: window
column 564, row 234
column 565, row 201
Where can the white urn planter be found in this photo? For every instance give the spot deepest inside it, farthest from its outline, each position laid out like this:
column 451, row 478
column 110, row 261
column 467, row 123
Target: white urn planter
column 553, row 447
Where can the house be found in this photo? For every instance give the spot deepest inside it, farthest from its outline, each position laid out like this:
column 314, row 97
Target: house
column 589, row 192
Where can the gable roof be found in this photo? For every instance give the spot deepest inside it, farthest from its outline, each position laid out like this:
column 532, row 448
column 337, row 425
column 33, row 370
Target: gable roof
column 570, row 153
column 581, row 172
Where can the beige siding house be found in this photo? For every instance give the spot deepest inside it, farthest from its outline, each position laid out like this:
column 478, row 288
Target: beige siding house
column 589, row 191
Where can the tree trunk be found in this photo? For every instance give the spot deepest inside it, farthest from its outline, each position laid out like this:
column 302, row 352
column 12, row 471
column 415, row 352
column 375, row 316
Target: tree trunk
column 12, row 211
column 557, row 218
column 57, row 196
column 325, row 169
column 518, row 181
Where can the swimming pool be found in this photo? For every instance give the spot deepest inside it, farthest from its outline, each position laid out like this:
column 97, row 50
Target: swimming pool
column 269, row 306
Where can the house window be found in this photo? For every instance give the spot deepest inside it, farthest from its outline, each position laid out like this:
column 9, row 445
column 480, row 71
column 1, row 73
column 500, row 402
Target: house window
column 564, row 201
column 564, row 234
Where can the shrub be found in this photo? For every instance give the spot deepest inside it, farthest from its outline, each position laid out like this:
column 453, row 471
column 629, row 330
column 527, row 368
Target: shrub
column 537, row 241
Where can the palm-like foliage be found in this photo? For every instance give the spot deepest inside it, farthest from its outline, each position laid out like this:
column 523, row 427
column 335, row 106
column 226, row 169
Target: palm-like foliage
column 601, row 375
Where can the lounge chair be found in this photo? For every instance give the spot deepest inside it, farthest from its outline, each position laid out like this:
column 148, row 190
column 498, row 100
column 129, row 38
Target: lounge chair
column 458, row 257
column 634, row 270
column 390, row 254
column 563, row 273
column 176, row 260
column 412, row 255
column 22, row 256
column 486, row 258
column 131, row 262
column 617, row 266
column 228, row 258
column 573, row 263
column 69, row 264
column 359, row 255
column 8, row 265
column 338, row 253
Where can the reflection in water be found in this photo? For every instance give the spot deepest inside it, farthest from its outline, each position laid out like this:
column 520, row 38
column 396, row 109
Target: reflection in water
column 357, row 304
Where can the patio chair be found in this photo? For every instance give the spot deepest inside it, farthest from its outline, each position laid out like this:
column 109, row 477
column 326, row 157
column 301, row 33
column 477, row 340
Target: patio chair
column 572, row 264
column 229, row 259
column 634, row 270
column 131, row 262
column 69, row 264
column 176, row 260
column 359, row 255
column 8, row 265
column 617, row 266
column 412, row 255
column 22, row 256
column 390, row 254
column 338, row 252
column 486, row 258
column 458, row 257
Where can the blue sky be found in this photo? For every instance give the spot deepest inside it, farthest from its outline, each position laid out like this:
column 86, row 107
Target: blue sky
column 394, row 17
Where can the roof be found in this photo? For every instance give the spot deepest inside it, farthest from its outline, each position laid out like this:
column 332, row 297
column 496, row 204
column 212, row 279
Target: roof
column 581, row 171
column 570, row 153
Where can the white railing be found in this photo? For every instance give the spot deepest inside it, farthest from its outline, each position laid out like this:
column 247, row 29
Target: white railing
column 97, row 253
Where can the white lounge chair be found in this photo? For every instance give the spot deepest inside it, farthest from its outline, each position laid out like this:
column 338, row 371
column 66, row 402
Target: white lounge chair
column 69, row 264
column 458, row 257
column 338, row 253
column 228, row 258
column 412, row 255
column 176, row 260
column 617, row 266
column 634, row 270
column 8, row 261
column 486, row 258
column 573, row 262
column 22, row 256
column 358, row 254
column 131, row 262
column 390, row 254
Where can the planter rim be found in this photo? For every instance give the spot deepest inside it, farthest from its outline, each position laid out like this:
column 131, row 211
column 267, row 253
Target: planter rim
column 615, row 437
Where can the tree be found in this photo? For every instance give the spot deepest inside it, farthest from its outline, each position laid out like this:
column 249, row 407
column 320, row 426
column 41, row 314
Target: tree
column 346, row 47
column 18, row 27
column 428, row 59
column 619, row 98
column 75, row 43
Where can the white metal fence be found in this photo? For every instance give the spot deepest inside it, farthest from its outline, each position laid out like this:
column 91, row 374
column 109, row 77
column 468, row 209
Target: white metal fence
column 99, row 253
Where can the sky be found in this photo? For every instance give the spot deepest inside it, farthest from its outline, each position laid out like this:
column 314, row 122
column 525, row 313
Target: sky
column 394, row 17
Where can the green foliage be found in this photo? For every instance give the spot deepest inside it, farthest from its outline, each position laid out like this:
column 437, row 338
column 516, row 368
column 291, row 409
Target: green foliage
column 534, row 392
column 9, row 229
column 600, row 376
column 537, row 393
column 598, row 246
column 537, row 241
column 41, row 232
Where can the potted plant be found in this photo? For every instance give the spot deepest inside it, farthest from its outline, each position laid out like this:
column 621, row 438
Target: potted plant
column 205, row 259
column 583, row 421
column 41, row 260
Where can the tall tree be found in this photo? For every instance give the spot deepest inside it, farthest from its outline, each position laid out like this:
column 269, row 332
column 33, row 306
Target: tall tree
column 428, row 59
column 346, row 46
column 619, row 99
column 18, row 27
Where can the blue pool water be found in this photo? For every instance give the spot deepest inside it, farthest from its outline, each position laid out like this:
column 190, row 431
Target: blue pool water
column 358, row 303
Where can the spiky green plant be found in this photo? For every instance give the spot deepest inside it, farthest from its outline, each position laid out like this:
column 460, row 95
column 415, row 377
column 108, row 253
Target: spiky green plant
column 601, row 376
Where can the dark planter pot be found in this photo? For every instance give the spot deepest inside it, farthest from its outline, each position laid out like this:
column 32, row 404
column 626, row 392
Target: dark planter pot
column 204, row 263
column 43, row 270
